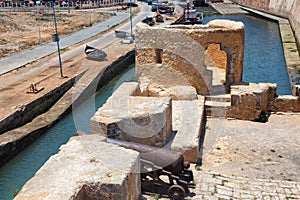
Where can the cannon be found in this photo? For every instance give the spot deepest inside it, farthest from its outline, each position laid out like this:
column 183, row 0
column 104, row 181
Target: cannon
column 161, row 162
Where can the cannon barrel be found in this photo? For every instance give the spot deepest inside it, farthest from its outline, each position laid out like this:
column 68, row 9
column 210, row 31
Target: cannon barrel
column 163, row 158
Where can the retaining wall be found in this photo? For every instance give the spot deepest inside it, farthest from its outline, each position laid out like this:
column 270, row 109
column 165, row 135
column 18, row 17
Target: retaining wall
column 14, row 141
column 285, row 8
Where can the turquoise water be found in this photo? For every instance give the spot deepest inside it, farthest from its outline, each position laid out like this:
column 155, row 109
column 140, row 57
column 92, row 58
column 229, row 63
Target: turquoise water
column 264, row 62
column 15, row 173
column 263, row 58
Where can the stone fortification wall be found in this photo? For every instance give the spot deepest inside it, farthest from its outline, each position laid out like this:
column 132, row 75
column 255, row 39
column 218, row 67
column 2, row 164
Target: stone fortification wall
column 177, row 53
column 86, row 168
column 286, row 8
column 145, row 120
column 249, row 102
column 14, row 141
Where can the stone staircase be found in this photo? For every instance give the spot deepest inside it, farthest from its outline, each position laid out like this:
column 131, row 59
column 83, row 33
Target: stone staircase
column 217, row 105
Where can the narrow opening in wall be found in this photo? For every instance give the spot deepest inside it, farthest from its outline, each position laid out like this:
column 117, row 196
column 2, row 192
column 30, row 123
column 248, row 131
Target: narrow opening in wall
column 158, row 53
column 216, row 60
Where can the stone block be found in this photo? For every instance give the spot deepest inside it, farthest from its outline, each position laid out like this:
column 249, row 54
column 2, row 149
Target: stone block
column 287, row 103
column 145, row 120
column 86, row 168
column 175, row 92
column 178, row 53
column 249, row 101
column 187, row 122
column 296, row 90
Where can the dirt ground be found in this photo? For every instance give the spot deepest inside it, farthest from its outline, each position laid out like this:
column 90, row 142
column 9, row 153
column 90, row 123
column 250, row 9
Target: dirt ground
column 43, row 72
column 23, row 30
column 252, row 149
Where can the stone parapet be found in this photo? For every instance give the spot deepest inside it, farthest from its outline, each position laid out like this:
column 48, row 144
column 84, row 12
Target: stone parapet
column 288, row 103
column 175, row 92
column 86, row 168
column 145, row 120
column 249, row 101
column 187, row 123
column 177, row 53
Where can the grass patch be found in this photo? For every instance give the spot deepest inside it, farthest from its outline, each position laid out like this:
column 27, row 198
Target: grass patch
column 155, row 196
column 264, row 117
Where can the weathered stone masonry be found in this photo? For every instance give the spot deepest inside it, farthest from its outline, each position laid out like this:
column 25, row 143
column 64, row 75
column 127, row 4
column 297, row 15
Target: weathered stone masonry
column 174, row 55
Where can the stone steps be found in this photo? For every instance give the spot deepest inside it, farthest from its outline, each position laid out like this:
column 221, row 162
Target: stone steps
column 219, row 98
column 217, row 105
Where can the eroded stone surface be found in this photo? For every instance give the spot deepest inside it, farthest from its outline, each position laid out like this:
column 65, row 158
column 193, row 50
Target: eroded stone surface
column 86, row 168
column 145, row 120
column 187, row 123
column 178, row 53
column 249, row 101
column 175, row 92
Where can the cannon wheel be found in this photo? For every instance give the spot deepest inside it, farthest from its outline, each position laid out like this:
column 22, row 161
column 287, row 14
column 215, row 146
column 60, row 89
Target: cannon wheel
column 176, row 192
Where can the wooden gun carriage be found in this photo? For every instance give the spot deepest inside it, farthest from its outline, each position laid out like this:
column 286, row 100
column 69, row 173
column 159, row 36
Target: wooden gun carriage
column 161, row 162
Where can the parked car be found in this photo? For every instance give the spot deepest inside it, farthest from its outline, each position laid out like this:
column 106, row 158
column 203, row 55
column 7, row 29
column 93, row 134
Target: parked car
column 132, row 4
column 159, row 18
column 149, row 20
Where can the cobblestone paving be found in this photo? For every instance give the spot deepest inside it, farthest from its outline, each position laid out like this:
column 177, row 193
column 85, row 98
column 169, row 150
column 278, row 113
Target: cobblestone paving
column 211, row 185
column 215, row 186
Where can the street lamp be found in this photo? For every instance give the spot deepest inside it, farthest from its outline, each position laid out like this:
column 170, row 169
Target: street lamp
column 130, row 18
column 55, row 38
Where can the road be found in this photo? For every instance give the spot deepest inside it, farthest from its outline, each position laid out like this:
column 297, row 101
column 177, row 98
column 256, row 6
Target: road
column 37, row 54
column 18, row 60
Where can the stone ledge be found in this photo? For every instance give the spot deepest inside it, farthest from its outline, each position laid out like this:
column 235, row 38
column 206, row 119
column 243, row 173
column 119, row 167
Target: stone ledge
column 187, row 121
column 93, row 168
column 145, row 120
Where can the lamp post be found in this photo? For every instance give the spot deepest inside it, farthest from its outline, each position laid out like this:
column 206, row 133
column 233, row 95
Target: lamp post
column 55, row 38
column 130, row 18
column 91, row 23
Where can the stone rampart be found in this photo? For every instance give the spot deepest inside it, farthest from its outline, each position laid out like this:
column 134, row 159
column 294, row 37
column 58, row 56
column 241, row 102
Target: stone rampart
column 145, row 120
column 285, row 8
column 249, row 102
column 177, row 53
column 86, row 168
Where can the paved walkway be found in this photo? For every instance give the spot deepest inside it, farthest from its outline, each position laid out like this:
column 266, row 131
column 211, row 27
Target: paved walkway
column 18, row 60
column 217, row 186
column 227, row 8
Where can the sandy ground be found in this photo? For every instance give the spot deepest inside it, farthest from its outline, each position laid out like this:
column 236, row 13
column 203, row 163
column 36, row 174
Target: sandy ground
column 23, row 30
column 44, row 72
column 252, row 149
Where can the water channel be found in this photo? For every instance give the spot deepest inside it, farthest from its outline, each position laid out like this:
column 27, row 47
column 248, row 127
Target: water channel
column 264, row 62
column 263, row 59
